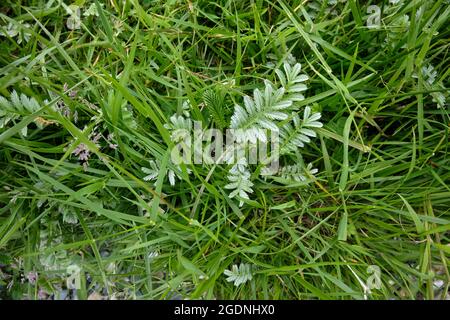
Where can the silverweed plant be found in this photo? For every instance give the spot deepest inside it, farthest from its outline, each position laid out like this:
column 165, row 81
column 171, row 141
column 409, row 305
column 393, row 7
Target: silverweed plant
column 224, row 149
column 272, row 110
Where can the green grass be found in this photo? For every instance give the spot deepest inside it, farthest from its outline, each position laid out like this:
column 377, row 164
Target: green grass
column 380, row 198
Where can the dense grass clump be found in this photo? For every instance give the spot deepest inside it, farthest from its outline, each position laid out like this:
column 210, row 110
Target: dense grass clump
column 95, row 94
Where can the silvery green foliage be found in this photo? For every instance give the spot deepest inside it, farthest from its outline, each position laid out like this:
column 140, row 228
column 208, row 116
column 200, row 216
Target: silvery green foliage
column 259, row 113
column 186, row 108
column 92, row 10
column 179, row 126
column 439, row 98
column 153, row 172
column 291, row 81
column 265, row 109
column 239, row 178
column 16, row 29
column 397, row 26
column 429, row 75
column 68, row 213
column 53, row 260
column 273, row 59
column 74, row 20
column 298, row 133
column 239, row 275
column 297, row 172
column 270, row 109
column 396, row 30
column 16, row 107
column 128, row 117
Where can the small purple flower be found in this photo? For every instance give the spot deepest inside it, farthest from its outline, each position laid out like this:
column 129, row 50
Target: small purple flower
column 82, row 152
column 42, row 294
column 32, row 277
column 109, row 139
column 84, row 156
column 96, row 138
column 63, row 109
column 73, row 94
